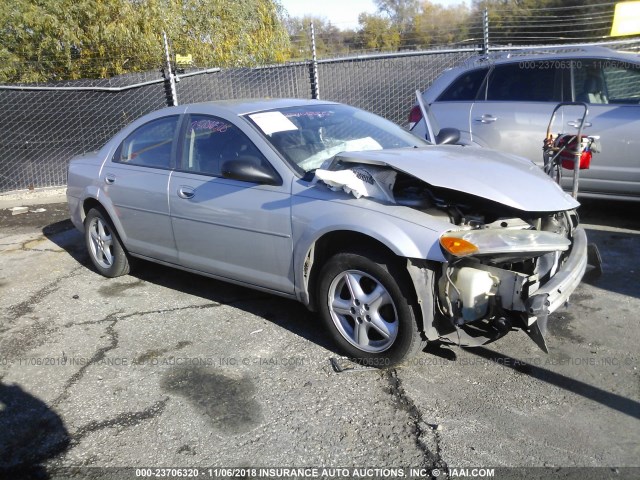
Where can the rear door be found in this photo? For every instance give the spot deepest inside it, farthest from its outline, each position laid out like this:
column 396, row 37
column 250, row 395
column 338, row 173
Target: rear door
column 611, row 88
column 513, row 111
column 453, row 106
column 136, row 180
column 234, row 229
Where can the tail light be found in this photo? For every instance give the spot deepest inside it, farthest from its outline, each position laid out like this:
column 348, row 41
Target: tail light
column 415, row 115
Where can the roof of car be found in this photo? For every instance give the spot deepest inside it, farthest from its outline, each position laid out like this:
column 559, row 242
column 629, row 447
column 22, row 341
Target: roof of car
column 549, row 53
column 523, row 55
column 244, row 106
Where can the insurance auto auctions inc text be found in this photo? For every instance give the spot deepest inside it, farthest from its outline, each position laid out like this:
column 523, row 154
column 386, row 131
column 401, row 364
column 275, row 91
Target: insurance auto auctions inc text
column 368, row 473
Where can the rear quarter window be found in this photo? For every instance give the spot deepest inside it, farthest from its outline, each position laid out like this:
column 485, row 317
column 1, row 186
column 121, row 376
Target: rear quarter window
column 465, row 87
column 623, row 84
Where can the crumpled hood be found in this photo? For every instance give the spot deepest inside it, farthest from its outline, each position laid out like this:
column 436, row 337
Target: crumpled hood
column 502, row 178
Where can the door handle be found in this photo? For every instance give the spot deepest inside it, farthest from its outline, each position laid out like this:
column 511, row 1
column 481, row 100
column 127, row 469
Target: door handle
column 186, row 192
column 486, row 118
column 576, row 124
column 110, row 178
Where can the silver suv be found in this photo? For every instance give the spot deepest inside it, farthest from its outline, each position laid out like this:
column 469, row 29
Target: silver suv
column 504, row 101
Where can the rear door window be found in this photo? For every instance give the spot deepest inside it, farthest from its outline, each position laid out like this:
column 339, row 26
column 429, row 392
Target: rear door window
column 526, row 81
column 150, row 145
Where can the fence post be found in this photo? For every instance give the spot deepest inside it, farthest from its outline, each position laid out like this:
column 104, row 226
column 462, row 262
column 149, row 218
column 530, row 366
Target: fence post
column 170, row 79
column 485, row 30
column 313, row 67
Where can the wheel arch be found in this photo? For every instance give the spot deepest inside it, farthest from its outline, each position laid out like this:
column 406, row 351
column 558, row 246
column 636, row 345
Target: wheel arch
column 92, row 202
column 397, row 266
column 331, row 243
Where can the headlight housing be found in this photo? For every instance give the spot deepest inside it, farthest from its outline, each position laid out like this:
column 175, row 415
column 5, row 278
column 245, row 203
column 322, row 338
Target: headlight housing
column 499, row 242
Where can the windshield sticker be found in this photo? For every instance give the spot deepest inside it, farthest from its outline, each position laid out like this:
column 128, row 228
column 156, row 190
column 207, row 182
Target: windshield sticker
column 272, row 122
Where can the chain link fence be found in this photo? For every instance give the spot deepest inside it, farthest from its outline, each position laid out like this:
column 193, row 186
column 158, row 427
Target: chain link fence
column 42, row 126
column 384, row 84
column 279, row 81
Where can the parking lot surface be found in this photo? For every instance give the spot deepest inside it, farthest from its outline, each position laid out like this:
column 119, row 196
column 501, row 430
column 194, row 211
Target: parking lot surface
column 163, row 368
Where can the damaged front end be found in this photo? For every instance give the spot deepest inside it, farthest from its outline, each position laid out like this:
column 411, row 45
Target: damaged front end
column 509, row 263
column 508, row 274
column 514, row 252
column 506, row 269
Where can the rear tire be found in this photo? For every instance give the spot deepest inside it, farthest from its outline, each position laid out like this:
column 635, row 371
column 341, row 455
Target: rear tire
column 105, row 248
column 368, row 304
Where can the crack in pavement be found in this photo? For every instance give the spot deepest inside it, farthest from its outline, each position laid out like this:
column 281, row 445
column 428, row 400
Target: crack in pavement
column 99, row 355
column 148, row 312
column 124, row 420
column 127, row 419
column 23, row 308
column 170, row 310
column 113, row 343
column 404, row 402
column 21, row 246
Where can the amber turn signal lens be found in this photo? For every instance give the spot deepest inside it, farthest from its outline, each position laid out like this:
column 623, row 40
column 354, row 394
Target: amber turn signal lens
column 458, row 246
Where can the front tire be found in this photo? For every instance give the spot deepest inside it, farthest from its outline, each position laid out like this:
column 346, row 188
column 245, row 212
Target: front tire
column 105, row 249
column 368, row 304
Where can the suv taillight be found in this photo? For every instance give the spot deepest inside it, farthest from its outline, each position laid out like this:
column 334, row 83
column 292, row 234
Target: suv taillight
column 415, row 115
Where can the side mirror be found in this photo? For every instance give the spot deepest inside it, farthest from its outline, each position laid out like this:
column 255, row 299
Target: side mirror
column 448, row 136
column 249, row 169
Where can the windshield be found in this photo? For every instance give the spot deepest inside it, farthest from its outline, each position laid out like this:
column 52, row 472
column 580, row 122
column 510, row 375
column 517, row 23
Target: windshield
column 308, row 135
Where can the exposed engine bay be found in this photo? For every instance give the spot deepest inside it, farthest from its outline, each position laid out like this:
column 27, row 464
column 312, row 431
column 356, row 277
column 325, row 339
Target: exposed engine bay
column 498, row 256
column 485, row 296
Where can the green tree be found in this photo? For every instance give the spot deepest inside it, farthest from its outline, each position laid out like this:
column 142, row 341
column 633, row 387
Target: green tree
column 413, row 24
column 330, row 40
column 378, row 33
column 435, row 24
column 224, row 33
column 44, row 40
column 531, row 22
column 401, row 12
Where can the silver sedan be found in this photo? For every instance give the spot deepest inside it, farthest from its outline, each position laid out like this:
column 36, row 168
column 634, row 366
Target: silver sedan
column 393, row 241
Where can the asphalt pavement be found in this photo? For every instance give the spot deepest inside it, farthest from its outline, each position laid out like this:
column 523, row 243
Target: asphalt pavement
column 166, row 369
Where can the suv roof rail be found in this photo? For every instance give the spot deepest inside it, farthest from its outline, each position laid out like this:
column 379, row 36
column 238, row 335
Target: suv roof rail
column 540, row 51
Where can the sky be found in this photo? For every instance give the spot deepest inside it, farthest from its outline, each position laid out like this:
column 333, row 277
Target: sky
column 342, row 13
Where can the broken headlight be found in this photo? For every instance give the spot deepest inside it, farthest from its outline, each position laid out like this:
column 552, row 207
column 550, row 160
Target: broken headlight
column 462, row 243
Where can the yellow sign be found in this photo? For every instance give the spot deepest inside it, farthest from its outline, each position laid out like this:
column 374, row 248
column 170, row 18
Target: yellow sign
column 188, row 59
column 626, row 20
